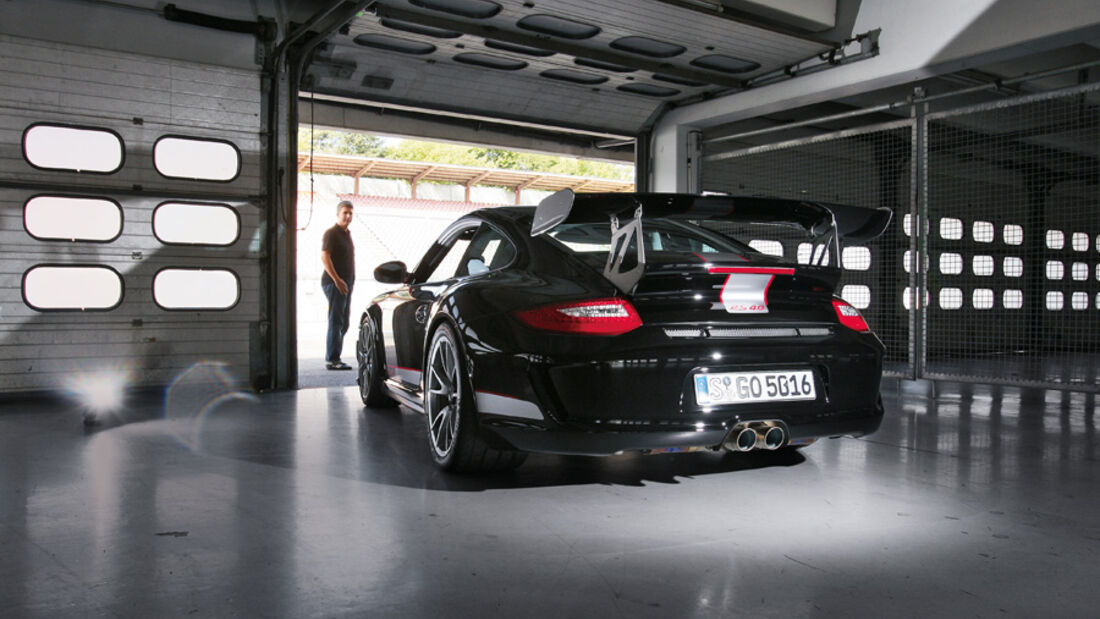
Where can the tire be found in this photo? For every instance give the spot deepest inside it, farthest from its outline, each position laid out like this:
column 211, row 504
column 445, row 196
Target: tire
column 369, row 374
column 453, row 439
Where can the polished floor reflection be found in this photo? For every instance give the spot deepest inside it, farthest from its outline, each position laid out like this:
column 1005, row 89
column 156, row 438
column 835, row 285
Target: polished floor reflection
column 971, row 501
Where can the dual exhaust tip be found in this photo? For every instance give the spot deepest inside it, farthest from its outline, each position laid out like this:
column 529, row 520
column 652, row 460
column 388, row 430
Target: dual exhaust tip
column 750, row 435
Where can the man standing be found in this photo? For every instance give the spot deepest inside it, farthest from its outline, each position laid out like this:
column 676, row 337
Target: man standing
column 338, row 257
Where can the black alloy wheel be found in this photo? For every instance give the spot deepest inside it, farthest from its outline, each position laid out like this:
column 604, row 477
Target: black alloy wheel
column 369, row 356
column 451, row 416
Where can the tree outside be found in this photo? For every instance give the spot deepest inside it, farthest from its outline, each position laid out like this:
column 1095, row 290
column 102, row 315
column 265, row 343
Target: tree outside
column 346, row 143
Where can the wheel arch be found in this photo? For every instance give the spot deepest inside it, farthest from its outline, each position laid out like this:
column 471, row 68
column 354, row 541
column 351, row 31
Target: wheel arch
column 375, row 313
column 440, row 318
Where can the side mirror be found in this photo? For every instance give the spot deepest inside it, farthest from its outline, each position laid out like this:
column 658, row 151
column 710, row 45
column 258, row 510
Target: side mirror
column 393, row 272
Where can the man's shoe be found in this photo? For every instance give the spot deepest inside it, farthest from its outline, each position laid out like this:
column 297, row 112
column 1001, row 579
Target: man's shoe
column 337, row 365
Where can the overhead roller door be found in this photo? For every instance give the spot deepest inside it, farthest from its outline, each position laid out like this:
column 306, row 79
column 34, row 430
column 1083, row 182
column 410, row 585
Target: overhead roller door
column 176, row 218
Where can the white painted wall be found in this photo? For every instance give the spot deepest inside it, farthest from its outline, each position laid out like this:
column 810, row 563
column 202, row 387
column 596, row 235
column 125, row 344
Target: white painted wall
column 918, row 40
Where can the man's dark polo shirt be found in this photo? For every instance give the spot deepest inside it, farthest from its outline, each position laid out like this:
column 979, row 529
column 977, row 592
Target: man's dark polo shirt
column 337, row 242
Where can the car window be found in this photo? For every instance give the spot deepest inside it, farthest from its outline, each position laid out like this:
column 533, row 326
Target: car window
column 488, row 250
column 659, row 236
column 444, row 263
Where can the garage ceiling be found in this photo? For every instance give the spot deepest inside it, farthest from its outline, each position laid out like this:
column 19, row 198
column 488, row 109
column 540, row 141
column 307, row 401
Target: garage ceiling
column 598, row 67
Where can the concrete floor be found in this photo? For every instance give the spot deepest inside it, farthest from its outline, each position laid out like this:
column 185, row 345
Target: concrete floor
column 312, row 372
column 982, row 502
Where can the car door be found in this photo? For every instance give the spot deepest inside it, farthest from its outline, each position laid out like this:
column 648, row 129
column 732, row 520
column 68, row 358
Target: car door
column 406, row 310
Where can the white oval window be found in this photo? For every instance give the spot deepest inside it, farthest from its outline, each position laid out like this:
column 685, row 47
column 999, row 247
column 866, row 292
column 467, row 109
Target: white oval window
column 1012, row 234
column 1080, row 271
column 1012, row 299
column 1080, row 301
column 196, row 289
column 1055, row 301
column 191, row 223
column 72, row 287
column 77, row 149
column 982, row 298
column 951, row 298
column 982, row 266
column 772, row 248
column 951, row 228
column 1013, row 266
column 951, row 263
column 72, row 219
column 858, row 295
column 805, row 251
column 907, row 298
column 856, row 258
column 982, row 232
column 1055, row 269
column 1055, row 239
column 196, row 159
column 1080, row 241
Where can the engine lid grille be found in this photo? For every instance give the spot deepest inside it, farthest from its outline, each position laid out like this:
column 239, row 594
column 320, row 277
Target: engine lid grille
column 746, row 332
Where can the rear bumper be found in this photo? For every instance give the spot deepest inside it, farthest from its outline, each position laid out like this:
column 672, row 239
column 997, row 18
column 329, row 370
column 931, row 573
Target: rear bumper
column 609, row 401
column 591, row 441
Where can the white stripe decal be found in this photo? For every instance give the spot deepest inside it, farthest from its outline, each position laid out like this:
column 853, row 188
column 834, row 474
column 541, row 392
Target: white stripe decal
column 746, row 293
column 504, row 405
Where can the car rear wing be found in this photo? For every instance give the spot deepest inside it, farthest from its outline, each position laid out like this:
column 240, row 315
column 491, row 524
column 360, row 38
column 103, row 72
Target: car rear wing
column 854, row 225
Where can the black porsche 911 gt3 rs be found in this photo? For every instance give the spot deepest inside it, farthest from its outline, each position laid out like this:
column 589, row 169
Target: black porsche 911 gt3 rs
column 602, row 323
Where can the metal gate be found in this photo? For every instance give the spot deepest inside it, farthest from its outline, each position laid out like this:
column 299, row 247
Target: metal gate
column 1008, row 289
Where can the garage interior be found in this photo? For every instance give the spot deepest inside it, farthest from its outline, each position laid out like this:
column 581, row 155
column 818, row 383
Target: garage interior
column 211, row 485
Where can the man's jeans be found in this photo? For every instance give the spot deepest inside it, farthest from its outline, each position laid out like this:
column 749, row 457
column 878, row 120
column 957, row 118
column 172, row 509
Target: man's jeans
column 339, row 313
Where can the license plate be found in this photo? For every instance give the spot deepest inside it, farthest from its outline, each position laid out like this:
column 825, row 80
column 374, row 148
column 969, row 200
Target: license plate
column 737, row 387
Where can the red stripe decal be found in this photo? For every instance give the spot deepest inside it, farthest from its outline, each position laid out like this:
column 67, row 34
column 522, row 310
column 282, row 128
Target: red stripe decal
column 756, row 270
column 723, row 256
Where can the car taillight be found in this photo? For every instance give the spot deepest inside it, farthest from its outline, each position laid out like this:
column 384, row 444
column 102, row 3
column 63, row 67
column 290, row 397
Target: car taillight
column 595, row 317
column 849, row 316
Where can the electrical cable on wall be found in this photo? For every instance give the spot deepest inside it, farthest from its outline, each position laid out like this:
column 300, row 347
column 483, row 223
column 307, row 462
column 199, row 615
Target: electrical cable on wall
column 312, row 193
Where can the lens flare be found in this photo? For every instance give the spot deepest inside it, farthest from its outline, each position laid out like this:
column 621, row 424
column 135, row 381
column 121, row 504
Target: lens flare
column 194, row 394
column 99, row 392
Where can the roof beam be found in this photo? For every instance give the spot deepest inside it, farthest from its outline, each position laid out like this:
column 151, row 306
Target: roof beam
column 480, row 177
column 525, row 184
column 474, row 180
column 420, row 176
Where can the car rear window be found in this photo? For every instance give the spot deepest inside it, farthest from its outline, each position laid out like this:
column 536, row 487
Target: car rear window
column 659, row 236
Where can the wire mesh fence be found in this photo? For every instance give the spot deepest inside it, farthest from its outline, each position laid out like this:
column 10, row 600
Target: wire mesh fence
column 1001, row 283
column 1014, row 241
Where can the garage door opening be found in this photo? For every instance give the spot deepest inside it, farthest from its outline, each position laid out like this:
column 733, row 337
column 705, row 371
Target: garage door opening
column 405, row 192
